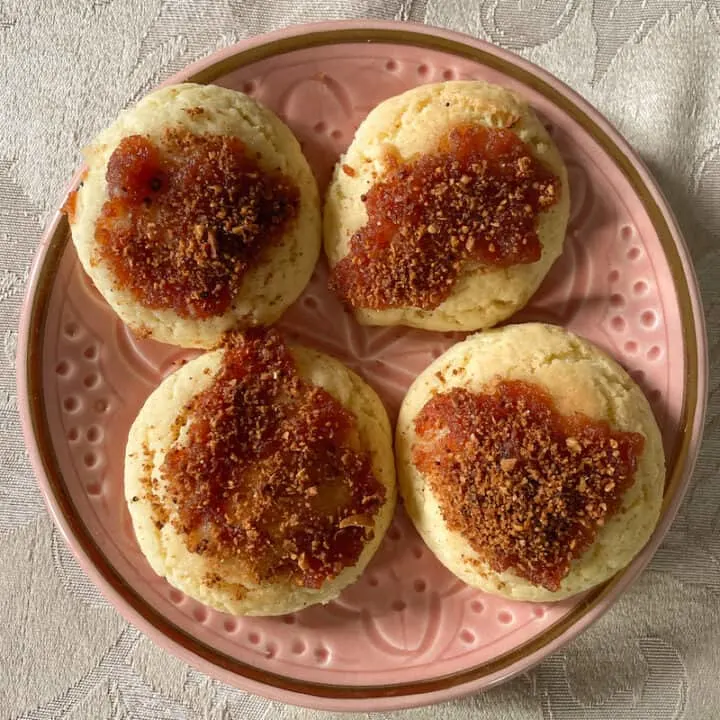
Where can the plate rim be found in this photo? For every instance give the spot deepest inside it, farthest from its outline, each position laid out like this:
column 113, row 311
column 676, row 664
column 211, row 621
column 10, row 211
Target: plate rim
column 377, row 697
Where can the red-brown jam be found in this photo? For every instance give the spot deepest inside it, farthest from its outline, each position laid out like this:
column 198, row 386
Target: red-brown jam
column 272, row 472
column 70, row 206
column 187, row 218
column 526, row 486
column 475, row 200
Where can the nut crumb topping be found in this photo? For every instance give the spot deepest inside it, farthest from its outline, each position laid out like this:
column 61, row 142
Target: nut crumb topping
column 475, row 201
column 527, row 487
column 272, row 473
column 187, row 218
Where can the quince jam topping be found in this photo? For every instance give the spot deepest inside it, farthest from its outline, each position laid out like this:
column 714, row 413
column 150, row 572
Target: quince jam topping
column 271, row 471
column 527, row 487
column 187, row 217
column 473, row 204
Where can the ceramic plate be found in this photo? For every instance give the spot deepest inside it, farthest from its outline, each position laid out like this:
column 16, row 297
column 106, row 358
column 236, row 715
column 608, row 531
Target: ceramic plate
column 408, row 632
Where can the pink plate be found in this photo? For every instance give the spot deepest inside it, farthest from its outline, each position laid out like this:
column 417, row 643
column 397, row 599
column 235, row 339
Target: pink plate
column 408, row 632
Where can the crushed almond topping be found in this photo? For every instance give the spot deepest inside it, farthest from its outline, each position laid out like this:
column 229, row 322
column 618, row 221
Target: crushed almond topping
column 187, row 217
column 272, row 473
column 573, row 445
column 476, row 200
column 527, row 486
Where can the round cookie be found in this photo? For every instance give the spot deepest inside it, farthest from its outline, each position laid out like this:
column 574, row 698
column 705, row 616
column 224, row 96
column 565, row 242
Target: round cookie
column 262, row 249
column 229, row 581
column 500, row 462
column 407, row 127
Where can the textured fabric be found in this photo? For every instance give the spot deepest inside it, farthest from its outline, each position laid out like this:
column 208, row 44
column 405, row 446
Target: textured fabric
column 68, row 66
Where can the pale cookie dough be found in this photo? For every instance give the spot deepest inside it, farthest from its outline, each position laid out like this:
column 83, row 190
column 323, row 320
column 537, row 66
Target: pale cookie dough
column 580, row 378
column 153, row 433
column 410, row 124
column 269, row 287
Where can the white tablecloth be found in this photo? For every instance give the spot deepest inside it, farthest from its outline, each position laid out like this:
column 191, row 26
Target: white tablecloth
column 68, row 66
